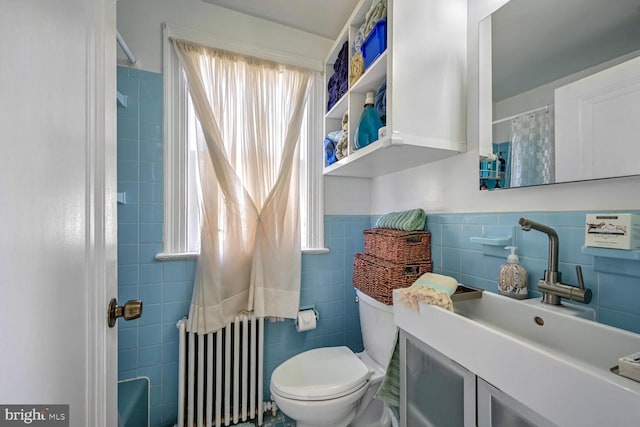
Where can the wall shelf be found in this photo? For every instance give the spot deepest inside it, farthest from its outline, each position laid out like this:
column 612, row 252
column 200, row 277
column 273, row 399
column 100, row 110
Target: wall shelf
column 122, row 99
column 615, row 261
column 612, row 253
column 493, row 241
column 499, row 241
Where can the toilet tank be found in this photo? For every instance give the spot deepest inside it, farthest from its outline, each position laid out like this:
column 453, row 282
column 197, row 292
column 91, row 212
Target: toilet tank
column 378, row 328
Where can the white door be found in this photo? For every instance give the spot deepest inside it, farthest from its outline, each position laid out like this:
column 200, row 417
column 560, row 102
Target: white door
column 58, row 207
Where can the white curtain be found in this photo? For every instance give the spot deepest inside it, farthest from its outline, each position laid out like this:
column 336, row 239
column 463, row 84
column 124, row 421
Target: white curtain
column 250, row 113
column 532, row 149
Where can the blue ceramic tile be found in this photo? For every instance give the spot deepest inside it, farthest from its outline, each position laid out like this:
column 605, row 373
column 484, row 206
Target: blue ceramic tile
column 153, row 373
column 127, row 150
column 127, row 359
column 151, row 315
column 127, row 233
column 151, row 293
column 127, row 275
column 170, row 333
column 151, row 273
column 175, row 311
column 473, row 263
column 150, row 111
column 170, row 353
column 127, row 339
column 150, row 232
column 151, row 192
column 151, row 151
column 127, row 128
column 621, row 293
column 174, row 271
column 128, row 212
column 149, row 356
column 126, row 293
column 151, row 171
column 150, row 132
column 150, row 335
column 452, row 235
column 169, row 372
column 151, row 212
column 176, row 292
column 620, row 319
column 451, row 259
column 131, row 188
column 148, row 252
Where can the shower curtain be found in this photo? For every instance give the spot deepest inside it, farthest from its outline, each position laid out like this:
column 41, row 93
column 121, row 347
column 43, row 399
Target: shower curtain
column 532, row 149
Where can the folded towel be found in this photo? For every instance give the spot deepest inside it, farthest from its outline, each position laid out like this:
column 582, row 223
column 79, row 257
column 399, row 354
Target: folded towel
column 389, row 391
column 377, row 11
column 329, row 151
column 411, row 220
column 416, row 294
column 446, row 284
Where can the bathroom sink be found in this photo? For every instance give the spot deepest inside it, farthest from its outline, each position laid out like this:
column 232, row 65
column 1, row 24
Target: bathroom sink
column 548, row 358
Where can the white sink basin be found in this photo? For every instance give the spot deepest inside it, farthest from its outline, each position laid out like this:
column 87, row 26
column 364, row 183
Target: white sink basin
column 555, row 363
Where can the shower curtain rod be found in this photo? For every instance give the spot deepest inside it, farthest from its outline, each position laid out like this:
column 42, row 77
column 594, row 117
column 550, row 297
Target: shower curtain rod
column 125, row 48
column 515, row 116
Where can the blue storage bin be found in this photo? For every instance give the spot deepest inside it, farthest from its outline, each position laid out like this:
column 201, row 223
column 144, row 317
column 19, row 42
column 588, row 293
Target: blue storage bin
column 375, row 43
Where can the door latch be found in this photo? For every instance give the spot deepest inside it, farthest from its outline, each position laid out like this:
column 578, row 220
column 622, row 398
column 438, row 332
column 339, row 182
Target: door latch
column 132, row 309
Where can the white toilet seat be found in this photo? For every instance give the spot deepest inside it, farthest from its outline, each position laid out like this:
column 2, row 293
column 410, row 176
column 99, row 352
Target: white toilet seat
column 320, row 374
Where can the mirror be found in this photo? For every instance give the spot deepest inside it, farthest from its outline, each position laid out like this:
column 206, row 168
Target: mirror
column 559, row 92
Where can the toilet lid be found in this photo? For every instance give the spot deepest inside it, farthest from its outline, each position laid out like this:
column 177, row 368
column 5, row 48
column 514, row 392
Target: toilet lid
column 320, row 374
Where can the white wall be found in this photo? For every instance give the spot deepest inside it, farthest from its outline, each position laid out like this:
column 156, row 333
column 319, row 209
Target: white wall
column 451, row 185
column 140, row 24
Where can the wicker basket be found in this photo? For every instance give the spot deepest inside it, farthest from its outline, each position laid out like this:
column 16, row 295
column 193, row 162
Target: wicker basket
column 398, row 246
column 378, row 278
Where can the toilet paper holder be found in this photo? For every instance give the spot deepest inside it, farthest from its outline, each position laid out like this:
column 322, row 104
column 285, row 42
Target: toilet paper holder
column 308, row 308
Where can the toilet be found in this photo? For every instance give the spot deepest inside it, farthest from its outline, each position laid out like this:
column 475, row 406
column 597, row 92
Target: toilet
column 333, row 386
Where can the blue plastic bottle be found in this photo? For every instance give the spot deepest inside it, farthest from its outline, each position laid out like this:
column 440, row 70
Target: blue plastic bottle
column 369, row 123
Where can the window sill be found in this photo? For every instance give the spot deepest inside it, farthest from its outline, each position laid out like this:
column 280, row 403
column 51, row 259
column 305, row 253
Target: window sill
column 315, row 251
column 166, row 256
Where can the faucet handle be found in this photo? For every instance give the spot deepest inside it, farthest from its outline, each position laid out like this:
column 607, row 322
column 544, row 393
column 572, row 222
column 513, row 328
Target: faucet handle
column 579, row 274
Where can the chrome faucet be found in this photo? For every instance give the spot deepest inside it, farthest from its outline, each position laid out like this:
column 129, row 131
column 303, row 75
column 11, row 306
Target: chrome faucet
column 551, row 287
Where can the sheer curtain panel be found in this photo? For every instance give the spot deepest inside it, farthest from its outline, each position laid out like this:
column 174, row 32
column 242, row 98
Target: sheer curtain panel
column 250, row 112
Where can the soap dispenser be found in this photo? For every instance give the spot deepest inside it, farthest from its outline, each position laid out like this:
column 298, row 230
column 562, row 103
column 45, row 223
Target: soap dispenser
column 512, row 277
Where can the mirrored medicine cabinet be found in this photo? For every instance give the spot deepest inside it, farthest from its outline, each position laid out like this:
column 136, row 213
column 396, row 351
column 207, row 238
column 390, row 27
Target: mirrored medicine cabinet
column 559, row 92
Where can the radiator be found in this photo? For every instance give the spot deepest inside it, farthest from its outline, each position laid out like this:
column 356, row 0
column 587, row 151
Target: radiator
column 221, row 374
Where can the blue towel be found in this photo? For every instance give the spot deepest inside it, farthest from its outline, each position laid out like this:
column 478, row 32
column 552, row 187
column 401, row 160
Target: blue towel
column 330, row 151
column 381, row 100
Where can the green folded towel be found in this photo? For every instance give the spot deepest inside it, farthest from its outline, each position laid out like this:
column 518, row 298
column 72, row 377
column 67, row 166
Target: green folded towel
column 445, row 284
column 411, row 220
column 389, row 391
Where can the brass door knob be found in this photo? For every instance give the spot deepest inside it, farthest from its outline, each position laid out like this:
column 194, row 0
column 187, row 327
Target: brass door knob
column 132, row 309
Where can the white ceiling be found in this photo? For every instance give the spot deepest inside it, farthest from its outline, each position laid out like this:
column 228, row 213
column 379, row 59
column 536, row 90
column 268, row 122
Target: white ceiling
column 321, row 17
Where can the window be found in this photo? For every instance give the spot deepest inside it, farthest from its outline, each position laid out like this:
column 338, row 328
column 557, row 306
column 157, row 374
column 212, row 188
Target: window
column 181, row 217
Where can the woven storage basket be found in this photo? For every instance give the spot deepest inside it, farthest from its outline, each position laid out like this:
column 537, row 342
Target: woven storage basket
column 398, row 246
column 378, row 278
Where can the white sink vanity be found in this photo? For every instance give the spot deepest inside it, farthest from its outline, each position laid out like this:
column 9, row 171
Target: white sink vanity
column 496, row 361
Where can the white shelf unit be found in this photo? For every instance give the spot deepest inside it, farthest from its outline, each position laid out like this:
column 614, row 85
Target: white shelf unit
column 425, row 67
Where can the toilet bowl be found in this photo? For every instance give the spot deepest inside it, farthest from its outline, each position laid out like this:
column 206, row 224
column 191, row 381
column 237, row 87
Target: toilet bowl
column 333, row 386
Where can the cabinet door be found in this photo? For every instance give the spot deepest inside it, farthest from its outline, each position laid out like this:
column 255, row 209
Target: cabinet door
column 434, row 390
column 498, row 409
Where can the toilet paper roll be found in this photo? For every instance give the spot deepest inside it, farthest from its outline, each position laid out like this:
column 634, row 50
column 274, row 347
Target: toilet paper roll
column 306, row 320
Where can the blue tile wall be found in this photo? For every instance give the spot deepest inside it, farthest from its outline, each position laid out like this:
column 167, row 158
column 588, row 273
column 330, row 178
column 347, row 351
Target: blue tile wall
column 147, row 346
column 615, row 283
